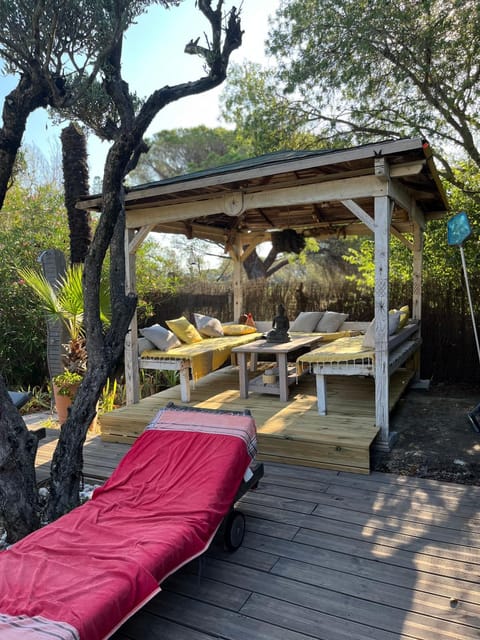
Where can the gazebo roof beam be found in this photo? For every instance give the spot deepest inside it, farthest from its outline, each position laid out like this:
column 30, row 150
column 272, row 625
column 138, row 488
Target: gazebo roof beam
column 269, row 168
column 402, row 197
column 350, row 188
column 139, row 237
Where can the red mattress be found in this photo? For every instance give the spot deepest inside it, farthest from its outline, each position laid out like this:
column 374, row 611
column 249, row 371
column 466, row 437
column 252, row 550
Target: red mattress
column 85, row 574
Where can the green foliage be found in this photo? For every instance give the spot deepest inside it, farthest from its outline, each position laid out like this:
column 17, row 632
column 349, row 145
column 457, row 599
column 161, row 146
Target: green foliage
column 39, row 399
column 154, row 381
column 360, row 80
column 265, row 120
column 65, row 381
column 32, row 220
column 363, row 259
column 108, row 399
column 65, row 302
column 179, row 151
column 158, row 269
column 441, row 262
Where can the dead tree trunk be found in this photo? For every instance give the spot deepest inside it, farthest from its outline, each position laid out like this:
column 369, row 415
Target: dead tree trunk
column 75, row 182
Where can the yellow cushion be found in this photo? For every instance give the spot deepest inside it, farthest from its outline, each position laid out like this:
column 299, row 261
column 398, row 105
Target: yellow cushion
column 404, row 316
column 237, row 329
column 184, row 330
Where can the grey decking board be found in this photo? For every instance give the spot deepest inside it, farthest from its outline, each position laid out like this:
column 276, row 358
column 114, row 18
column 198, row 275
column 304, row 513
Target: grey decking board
column 456, row 529
column 320, row 558
column 232, row 597
column 218, row 621
column 405, row 597
column 341, row 605
column 148, row 626
column 362, row 533
column 400, row 557
column 318, row 625
column 460, row 504
column 376, row 481
column 341, row 540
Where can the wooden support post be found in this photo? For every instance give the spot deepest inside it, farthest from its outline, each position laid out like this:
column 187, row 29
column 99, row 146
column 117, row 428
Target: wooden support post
column 383, row 207
column 417, row 291
column 417, row 272
column 243, row 374
column 132, row 373
column 236, row 254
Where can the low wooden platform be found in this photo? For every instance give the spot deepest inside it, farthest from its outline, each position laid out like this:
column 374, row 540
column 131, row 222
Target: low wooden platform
column 291, row 432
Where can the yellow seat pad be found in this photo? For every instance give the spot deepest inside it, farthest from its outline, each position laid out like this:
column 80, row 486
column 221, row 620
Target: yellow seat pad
column 343, row 350
column 205, row 356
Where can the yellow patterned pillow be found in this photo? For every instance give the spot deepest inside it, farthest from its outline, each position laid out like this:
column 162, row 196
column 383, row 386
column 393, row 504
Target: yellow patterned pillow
column 237, row 329
column 184, row 330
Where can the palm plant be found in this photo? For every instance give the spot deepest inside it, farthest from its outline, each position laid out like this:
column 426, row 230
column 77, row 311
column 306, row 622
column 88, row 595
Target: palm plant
column 64, row 302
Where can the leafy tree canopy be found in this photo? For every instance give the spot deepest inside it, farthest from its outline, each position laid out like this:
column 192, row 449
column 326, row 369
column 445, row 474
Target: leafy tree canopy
column 361, row 80
column 265, row 120
column 178, row 151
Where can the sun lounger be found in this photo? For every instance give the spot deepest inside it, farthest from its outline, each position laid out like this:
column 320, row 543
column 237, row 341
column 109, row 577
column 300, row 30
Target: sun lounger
column 83, row 575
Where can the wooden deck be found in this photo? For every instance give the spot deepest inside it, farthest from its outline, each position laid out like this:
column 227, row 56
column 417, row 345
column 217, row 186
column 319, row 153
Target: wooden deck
column 291, row 432
column 327, row 556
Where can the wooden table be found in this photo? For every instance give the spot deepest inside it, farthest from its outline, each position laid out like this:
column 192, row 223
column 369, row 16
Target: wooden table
column 286, row 374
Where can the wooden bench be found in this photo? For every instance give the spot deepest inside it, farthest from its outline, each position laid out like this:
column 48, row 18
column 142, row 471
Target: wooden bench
column 192, row 361
column 347, row 357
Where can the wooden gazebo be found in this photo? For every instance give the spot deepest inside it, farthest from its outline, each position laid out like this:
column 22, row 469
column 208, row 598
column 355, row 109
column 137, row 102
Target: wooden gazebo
column 381, row 189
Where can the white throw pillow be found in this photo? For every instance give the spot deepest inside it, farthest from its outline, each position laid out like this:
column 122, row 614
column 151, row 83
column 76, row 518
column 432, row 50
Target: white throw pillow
column 369, row 338
column 162, row 338
column 394, row 318
column 306, row 321
column 208, row 326
column 331, row 322
column 393, row 323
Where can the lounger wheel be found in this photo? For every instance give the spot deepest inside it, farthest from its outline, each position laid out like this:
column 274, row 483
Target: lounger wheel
column 234, row 531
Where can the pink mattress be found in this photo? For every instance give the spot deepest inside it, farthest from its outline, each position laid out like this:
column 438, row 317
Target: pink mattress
column 85, row 574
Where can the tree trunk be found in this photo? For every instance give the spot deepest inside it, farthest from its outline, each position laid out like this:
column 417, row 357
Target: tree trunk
column 18, row 490
column 256, row 268
column 18, row 105
column 106, row 347
column 75, row 180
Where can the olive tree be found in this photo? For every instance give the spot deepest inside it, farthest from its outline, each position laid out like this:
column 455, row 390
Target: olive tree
column 51, row 48
column 83, row 78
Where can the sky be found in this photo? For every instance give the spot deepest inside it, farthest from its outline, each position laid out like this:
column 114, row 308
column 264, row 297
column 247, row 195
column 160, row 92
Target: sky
column 153, row 57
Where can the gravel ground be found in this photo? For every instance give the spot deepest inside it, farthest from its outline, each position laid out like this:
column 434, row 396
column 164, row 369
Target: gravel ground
column 435, row 437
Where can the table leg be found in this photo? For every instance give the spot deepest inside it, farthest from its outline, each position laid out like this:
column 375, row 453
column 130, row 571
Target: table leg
column 243, row 374
column 321, row 394
column 283, row 376
column 185, row 382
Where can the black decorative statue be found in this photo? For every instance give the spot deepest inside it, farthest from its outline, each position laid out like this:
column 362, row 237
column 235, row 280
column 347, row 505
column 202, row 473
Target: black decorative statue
column 280, row 327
